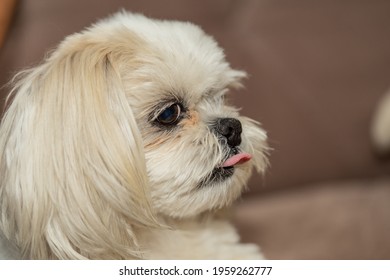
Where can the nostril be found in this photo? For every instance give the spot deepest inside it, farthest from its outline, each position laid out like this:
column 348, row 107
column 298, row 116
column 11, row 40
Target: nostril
column 231, row 129
column 225, row 129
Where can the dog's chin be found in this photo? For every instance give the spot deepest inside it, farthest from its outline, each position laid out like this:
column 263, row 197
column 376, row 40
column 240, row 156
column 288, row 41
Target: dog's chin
column 217, row 176
column 217, row 190
column 221, row 173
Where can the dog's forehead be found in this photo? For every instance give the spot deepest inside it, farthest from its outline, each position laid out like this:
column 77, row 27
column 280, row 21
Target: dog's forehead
column 185, row 60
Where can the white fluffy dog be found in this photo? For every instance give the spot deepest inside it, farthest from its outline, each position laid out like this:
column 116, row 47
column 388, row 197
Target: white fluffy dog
column 120, row 146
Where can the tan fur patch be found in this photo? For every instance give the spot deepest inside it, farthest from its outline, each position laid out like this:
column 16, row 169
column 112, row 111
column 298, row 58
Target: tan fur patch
column 192, row 120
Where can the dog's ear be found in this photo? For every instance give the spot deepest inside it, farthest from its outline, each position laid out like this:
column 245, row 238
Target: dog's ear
column 72, row 168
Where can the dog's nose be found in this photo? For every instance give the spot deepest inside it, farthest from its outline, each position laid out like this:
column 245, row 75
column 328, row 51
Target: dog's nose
column 231, row 129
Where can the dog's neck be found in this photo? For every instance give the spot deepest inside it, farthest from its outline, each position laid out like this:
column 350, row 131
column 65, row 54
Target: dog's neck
column 207, row 236
column 205, row 217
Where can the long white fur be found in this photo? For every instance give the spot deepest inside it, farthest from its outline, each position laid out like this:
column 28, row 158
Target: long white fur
column 83, row 172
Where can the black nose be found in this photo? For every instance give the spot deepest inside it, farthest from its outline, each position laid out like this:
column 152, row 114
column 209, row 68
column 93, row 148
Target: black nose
column 231, row 129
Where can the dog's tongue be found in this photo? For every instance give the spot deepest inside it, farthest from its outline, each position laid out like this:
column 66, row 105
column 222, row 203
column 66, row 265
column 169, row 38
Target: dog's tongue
column 237, row 159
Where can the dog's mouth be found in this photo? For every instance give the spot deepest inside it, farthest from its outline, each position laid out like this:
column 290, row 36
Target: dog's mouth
column 235, row 159
column 226, row 169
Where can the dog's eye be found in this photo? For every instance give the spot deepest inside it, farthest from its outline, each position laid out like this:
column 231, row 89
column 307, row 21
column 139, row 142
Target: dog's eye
column 170, row 115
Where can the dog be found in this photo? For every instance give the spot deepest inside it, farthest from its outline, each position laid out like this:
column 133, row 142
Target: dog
column 120, row 145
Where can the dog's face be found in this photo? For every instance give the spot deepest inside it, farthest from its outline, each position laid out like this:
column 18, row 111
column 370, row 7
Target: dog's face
column 124, row 122
column 199, row 151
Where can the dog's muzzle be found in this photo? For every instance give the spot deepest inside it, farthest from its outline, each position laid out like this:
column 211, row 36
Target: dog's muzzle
column 228, row 131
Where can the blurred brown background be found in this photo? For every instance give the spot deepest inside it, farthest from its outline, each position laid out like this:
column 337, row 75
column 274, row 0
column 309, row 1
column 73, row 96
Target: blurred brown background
column 317, row 71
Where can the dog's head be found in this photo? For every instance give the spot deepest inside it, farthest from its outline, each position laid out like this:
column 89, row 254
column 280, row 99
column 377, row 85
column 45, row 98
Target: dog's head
column 123, row 123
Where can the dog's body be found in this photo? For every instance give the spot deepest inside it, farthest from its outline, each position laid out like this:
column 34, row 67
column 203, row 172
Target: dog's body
column 190, row 239
column 120, row 145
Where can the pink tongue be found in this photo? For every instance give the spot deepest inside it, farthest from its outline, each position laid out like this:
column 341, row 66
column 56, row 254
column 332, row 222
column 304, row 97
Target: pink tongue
column 237, row 159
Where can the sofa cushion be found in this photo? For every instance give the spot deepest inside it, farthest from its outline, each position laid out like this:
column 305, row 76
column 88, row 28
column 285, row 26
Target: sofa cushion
column 339, row 220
